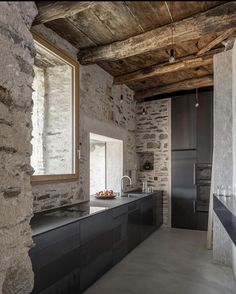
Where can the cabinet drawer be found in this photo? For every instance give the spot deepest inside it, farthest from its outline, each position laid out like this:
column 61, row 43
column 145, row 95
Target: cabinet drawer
column 67, row 285
column 133, row 206
column 147, row 203
column 52, row 272
column 119, row 228
column 56, row 235
column 94, row 270
column 95, row 247
column 93, row 226
column 119, row 211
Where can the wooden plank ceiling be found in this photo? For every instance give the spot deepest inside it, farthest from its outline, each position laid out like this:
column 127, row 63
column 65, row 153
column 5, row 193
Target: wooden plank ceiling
column 132, row 39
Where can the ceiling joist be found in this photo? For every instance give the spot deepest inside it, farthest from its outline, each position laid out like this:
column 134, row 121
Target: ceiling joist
column 49, row 10
column 215, row 20
column 185, row 63
column 217, row 41
column 205, row 81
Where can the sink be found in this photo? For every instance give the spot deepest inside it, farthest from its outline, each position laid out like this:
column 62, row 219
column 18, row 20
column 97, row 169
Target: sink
column 132, row 195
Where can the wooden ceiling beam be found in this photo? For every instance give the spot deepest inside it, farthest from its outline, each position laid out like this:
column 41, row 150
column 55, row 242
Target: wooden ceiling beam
column 187, row 62
column 217, row 41
column 51, row 10
column 148, row 72
column 205, row 81
column 215, row 20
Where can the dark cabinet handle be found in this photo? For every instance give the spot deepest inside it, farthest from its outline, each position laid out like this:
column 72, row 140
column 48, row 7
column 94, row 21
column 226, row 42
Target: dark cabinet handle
column 194, row 206
column 194, row 174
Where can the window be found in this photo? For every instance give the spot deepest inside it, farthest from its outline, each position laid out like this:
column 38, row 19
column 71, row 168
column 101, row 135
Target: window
column 106, row 163
column 55, row 112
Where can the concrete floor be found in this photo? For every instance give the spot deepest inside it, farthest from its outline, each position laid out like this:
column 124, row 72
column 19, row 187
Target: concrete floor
column 170, row 261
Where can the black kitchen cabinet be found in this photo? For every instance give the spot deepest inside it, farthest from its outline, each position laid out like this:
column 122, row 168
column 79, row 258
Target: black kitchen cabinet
column 191, row 157
column 183, row 123
column 205, row 128
column 55, row 257
column 96, row 247
column 184, row 208
column 68, row 259
column 134, row 225
column 147, row 208
column 119, row 233
column 158, row 211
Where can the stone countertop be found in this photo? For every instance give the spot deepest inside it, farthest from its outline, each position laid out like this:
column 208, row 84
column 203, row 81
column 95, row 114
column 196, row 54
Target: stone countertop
column 228, row 202
column 49, row 220
column 224, row 208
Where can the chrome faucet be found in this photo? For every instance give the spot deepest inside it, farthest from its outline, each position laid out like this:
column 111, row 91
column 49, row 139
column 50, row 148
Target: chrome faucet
column 122, row 183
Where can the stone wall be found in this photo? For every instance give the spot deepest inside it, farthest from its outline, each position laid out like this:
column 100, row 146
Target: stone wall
column 100, row 112
column 153, row 135
column 16, row 77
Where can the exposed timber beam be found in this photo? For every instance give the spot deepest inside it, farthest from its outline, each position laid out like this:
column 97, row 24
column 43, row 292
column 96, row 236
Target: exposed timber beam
column 215, row 20
column 217, row 41
column 156, row 70
column 51, row 10
column 179, row 86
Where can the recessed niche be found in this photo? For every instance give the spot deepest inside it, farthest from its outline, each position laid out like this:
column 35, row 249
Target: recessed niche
column 146, row 161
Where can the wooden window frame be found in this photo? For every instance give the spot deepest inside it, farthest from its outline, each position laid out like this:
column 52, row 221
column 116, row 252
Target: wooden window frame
column 45, row 179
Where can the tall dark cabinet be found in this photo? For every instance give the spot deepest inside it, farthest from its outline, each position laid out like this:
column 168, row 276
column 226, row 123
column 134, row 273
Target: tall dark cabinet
column 191, row 158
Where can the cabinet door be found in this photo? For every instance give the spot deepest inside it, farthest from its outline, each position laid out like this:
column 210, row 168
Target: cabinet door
column 134, row 225
column 158, row 213
column 119, row 233
column 55, row 255
column 205, row 127
column 183, row 123
column 184, row 208
column 96, row 247
column 147, row 216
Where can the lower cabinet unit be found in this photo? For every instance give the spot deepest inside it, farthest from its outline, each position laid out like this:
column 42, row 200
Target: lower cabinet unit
column 96, row 247
column 55, row 259
column 134, row 225
column 68, row 259
column 119, row 233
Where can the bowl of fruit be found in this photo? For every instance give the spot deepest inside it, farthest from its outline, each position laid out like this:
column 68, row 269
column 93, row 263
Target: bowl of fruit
column 106, row 194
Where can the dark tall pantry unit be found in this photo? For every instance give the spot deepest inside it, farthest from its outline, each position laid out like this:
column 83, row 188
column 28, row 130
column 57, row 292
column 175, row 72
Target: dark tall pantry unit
column 191, row 159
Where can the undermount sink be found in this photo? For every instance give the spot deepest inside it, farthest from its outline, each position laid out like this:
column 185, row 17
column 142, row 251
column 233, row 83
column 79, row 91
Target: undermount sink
column 132, row 195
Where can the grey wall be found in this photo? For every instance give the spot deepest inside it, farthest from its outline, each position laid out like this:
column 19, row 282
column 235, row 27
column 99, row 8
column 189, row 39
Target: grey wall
column 223, row 147
column 16, row 77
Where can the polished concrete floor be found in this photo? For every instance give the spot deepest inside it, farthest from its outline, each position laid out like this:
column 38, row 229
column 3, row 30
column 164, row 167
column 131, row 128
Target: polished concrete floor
column 170, row 261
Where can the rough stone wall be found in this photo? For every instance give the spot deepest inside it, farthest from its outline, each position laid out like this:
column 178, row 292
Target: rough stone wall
column 16, row 77
column 152, row 135
column 100, row 106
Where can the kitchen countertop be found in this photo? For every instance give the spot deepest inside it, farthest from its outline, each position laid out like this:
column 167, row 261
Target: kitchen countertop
column 224, row 207
column 49, row 220
column 228, row 202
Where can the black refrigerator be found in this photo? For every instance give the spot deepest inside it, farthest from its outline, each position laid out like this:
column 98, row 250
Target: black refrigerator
column 191, row 157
